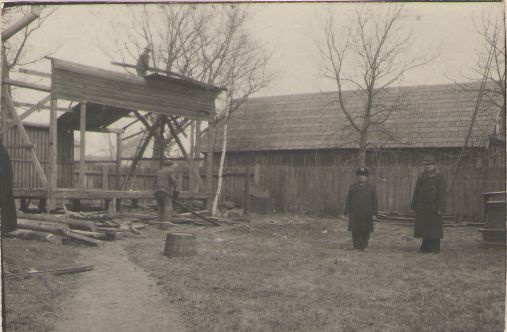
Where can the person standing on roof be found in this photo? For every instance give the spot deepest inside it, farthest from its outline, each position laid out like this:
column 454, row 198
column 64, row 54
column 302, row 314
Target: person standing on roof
column 143, row 63
column 166, row 189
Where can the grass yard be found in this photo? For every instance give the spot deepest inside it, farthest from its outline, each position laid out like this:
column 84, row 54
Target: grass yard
column 295, row 273
column 33, row 303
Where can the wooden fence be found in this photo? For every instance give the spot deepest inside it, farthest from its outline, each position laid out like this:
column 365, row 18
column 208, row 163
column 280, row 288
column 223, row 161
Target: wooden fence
column 322, row 190
column 103, row 176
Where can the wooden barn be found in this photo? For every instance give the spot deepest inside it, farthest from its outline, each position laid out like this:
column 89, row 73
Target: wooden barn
column 304, row 149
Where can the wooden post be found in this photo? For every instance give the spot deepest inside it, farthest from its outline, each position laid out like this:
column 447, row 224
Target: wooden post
column 197, row 149
column 53, row 150
column 209, row 163
column 257, row 174
column 105, row 184
column 118, row 160
column 118, row 167
column 161, row 146
column 246, row 198
column 82, row 147
column 8, row 104
column 22, row 22
column 191, row 157
column 174, row 134
column 3, row 109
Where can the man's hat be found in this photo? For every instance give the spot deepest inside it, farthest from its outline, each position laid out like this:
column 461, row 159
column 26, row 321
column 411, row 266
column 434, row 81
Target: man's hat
column 428, row 160
column 362, row 171
column 147, row 48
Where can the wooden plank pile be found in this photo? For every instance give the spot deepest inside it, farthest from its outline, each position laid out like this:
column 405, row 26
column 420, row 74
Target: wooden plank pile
column 85, row 228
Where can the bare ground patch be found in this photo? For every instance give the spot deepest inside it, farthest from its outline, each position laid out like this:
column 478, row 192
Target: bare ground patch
column 295, row 273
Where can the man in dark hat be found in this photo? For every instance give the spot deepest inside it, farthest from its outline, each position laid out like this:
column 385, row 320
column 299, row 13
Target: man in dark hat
column 166, row 189
column 143, row 63
column 7, row 206
column 361, row 207
column 428, row 202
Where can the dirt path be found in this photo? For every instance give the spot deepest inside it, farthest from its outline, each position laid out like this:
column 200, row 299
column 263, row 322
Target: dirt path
column 117, row 296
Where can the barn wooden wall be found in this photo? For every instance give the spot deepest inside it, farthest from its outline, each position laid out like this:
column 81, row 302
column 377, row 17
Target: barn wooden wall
column 25, row 175
column 317, row 182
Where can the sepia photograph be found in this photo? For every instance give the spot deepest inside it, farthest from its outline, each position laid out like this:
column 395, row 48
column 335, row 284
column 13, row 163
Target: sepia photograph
column 264, row 166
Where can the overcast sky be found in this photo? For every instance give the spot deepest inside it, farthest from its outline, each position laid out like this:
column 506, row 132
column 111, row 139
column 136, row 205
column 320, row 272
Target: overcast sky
column 78, row 32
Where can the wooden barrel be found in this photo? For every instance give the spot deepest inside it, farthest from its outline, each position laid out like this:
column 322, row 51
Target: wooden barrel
column 180, row 245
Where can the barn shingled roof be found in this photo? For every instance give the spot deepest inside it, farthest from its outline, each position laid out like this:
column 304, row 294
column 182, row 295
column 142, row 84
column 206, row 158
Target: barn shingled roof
column 429, row 116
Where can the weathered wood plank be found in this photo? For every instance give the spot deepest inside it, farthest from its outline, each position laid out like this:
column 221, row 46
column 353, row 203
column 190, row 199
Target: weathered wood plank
column 24, row 134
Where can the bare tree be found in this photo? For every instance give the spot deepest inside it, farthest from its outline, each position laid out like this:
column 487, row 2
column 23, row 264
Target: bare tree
column 172, row 31
column 17, row 48
column 206, row 42
column 490, row 60
column 233, row 61
column 370, row 57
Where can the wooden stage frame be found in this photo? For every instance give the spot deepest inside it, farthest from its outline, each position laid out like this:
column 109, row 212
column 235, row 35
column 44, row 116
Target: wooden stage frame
column 168, row 97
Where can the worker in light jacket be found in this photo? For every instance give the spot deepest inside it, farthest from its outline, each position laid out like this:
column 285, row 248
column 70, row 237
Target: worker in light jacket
column 428, row 202
column 7, row 205
column 361, row 207
column 143, row 63
column 165, row 190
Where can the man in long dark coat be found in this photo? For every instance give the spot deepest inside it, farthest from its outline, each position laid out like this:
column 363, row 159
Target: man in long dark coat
column 428, row 202
column 361, row 206
column 7, row 206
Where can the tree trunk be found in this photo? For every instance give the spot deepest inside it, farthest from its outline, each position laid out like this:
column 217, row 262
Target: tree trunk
column 361, row 156
column 220, row 171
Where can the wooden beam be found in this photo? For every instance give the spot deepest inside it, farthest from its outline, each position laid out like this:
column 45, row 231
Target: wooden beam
column 20, row 146
column 53, row 150
column 209, row 163
column 174, row 134
column 34, row 72
column 24, row 134
column 118, row 160
column 33, row 108
column 151, row 129
column 197, row 149
column 22, row 22
column 108, row 130
column 186, row 208
column 139, row 154
column 40, row 107
column 54, row 271
column 246, row 193
column 161, row 143
column 179, row 125
column 191, row 164
column 192, row 169
column 82, row 146
column 173, row 74
column 134, row 135
column 131, row 123
column 70, row 222
column 35, row 235
column 27, row 85
column 3, row 108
